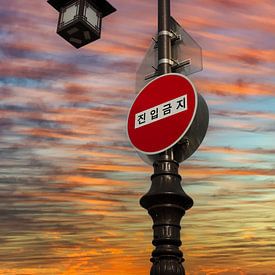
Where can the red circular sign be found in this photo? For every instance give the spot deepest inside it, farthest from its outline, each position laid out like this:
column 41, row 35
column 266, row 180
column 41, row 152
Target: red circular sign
column 162, row 113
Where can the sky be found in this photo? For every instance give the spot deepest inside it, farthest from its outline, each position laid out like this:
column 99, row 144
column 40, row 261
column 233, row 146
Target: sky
column 71, row 182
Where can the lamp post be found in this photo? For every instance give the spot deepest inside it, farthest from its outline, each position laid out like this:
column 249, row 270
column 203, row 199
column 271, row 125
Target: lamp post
column 166, row 202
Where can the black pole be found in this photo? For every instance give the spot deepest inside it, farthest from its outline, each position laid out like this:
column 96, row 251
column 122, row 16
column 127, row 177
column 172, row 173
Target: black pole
column 166, row 201
column 164, row 38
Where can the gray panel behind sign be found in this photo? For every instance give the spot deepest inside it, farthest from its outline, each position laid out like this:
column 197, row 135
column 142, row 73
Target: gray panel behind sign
column 186, row 54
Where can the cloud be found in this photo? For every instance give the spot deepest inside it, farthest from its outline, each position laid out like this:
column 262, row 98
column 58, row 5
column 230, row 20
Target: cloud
column 239, row 88
column 70, row 181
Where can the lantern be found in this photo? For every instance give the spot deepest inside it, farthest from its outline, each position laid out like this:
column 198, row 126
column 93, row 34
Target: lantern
column 80, row 20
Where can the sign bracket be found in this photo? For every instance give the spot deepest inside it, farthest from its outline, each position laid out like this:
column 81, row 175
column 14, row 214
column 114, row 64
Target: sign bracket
column 186, row 56
column 178, row 65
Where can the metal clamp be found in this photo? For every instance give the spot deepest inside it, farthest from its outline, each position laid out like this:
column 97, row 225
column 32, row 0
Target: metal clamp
column 165, row 33
column 166, row 61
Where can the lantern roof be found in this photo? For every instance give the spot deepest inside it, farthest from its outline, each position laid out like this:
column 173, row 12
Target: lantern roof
column 103, row 6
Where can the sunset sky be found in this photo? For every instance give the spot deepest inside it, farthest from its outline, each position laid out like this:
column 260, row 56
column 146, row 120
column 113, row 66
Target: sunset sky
column 71, row 182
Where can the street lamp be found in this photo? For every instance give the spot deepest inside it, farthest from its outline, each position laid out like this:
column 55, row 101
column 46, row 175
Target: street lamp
column 166, row 202
column 80, row 20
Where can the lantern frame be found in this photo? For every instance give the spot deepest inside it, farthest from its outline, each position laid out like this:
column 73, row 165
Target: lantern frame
column 82, row 25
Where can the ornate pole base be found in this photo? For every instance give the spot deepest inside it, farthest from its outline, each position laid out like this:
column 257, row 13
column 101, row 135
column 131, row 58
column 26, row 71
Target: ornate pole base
column 166, row 203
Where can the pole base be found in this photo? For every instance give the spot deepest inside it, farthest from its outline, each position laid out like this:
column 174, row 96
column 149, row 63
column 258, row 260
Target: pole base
column 166, row 203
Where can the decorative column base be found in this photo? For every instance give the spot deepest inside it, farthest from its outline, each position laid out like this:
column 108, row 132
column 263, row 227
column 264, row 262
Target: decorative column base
column 166, row 203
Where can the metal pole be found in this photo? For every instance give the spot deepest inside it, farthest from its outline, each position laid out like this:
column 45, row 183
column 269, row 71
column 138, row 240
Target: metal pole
column 164, row 47
column 166, row 201
column 164, row 38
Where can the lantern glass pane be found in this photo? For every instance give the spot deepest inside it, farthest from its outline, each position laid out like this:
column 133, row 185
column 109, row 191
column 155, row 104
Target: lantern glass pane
column 69, row 13
column 92, row 16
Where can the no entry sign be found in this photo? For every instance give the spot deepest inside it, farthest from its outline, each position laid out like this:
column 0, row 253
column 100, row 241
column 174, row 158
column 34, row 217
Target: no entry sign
column 162, row 113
